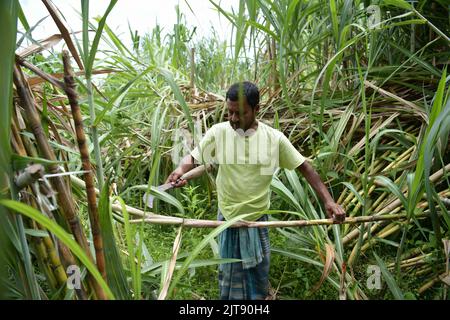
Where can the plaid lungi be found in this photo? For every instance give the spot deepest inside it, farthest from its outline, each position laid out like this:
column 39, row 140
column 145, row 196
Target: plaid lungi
column 248, row 279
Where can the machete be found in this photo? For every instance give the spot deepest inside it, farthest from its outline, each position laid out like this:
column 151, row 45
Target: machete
column 194, row 173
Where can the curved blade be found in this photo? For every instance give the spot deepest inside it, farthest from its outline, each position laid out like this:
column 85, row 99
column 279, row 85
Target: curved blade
column 148, row 198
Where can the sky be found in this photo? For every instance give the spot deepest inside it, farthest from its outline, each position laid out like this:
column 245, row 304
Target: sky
column 141, row 15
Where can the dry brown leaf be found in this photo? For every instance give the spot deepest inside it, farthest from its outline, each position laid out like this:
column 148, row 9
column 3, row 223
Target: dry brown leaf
column 330, row 256
column 173, row 260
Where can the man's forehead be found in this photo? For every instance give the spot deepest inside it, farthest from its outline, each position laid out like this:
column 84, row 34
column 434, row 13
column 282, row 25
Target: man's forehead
column 235, row 105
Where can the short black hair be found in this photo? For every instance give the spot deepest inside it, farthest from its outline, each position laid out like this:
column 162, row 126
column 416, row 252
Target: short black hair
column 250, row 91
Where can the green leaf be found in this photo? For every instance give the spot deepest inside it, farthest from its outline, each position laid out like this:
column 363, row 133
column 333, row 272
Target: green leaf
column 178, row 95
column 116, row 274
column 164, row 196
column 297, row 256
column 62, row 235
column 97, row 37
column 200, row 246
column 398, row 294
column 397, row 3
column 393, row 188
column 22, row 18
column 354, row 191
column 8, row 25
column 21, row 162
column 129, row 236
column 37, row 233
column 280, row 189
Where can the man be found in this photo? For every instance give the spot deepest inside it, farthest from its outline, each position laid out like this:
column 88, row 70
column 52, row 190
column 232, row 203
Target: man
column 247, row 152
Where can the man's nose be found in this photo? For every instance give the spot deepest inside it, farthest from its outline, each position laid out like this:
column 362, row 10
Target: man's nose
column 234, row 118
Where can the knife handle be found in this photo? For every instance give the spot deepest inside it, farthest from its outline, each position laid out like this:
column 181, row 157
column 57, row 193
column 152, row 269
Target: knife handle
column 196, row 172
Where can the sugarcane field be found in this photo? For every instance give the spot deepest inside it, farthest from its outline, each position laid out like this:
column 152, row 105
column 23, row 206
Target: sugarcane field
column 225, row 150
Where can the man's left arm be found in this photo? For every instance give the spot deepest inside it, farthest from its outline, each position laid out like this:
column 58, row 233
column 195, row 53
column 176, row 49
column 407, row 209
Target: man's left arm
column 333, row 210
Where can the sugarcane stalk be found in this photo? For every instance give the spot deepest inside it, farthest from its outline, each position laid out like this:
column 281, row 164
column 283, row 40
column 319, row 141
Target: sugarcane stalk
column 197, row 223
column 64, row 200
column 56, row 264
column 422, row 205
column 411, row 262
column 390, row 230
column 375, row 226
column 94, row 133
column 432, row 282
column 424, row 270
column 371, row 189
column 43, row 259
column 394, row 205
column 86, row 164
column 67, row 258
column 115, row 205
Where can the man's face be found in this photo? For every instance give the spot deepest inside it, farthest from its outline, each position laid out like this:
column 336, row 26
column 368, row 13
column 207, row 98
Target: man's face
column 241, row 114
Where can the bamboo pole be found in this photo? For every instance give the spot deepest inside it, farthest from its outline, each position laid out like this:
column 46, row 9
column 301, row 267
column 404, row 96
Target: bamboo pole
column 70, row 89
column 64, row 200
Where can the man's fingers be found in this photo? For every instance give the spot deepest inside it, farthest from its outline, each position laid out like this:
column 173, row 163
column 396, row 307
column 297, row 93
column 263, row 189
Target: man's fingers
column 179, row 183
column 339, row 216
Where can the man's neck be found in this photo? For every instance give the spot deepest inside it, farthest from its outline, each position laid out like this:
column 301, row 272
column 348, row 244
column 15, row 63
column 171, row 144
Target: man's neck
column 254, row 125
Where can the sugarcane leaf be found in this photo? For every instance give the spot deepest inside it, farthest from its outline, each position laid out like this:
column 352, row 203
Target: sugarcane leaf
column 397, row 3
column 62, row 235
column 120, row 95
column 21, row 162
column 22, row 18
column 393, row 188
column 201, row 245
column 387, row 276
column 63, row 30
column 329, row 259
column 297, row 256
column 162, row 195
column 114, row 269
column 98, row 34
column 178, row 96
column 352, row 188
column 131, row 246
column 280, row 189
column 37, row 233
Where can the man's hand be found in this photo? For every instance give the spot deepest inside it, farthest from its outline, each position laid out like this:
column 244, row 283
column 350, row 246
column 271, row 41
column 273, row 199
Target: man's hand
column 175, row 178
column 335, row 211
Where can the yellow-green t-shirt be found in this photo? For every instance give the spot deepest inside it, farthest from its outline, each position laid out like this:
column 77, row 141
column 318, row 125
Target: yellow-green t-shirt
column 246, row 162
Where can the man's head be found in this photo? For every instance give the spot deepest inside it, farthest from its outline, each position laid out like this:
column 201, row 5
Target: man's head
column 243, row 104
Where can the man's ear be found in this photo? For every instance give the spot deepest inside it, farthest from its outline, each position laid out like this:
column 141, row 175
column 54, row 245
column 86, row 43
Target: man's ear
column 257, row 108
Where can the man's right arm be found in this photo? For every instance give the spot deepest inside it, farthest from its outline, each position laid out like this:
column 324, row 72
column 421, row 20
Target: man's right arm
column 186, row 164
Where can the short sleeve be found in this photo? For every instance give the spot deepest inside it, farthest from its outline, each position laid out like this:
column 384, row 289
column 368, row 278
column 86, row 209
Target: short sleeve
column 290, row 158
column 205, row 151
